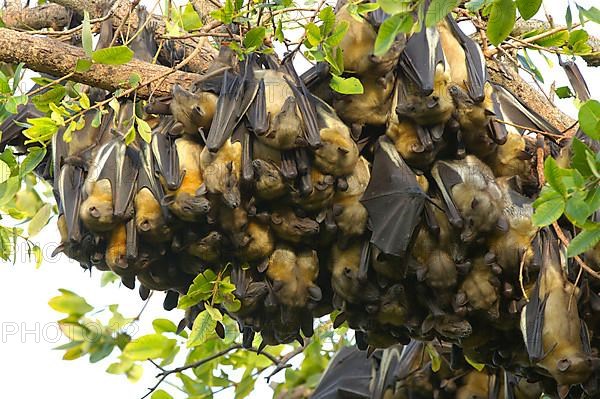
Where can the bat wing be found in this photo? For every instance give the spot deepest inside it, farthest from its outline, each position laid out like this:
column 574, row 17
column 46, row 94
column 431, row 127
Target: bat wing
column 143, row 44
column 476, row 68
column 257, row 114
column 347, row 376
column 420, row 58
column 518, row 113
column 576, row 79
column 226, row 114
column 306, row 105
column 496, row 130
column 165, row 155
column 446, row 178
column 394, row 201
column 388, row 371
column 120, row 165
column 315, row 74
column 411, row 359
column 70, row 182
column 147, row 174
column 131, row 240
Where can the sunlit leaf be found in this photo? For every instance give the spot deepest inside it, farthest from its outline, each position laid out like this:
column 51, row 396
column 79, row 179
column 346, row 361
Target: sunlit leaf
column 202, row 329
column 528, row 8
column 589, row 119
column 584, row 241
column 113, row 55
column 502, row 18
column 346, row 85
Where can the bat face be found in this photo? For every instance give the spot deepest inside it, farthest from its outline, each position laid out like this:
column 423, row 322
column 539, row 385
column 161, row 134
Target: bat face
column 222, row 172
column 288, row 226
column 269, row 184
column 193, row 110
column 260, row 242
column 149, row 217
column 208, row 248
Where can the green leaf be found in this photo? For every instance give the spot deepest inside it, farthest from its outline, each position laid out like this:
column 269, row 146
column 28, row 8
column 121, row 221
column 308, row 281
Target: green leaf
column 579, row 157
column 593, row 14
column 12, row 104
column 135, row 373
column 190, row 20
column 4, row 171
column 346, row 85
column 200, row 290
column 436, row 360
column 584, row 241
column 338, row 34
column 564, row 92
column 144, row 129
column 438, row 9
column 214, row 313
column 37, row 223
column 164, row 325
column 577, row 210
column 107, row 278
column 70, row 303
column 502, row 18
column 113, row 55
column 160, row 394
column 8, row 189
column 36, row 251
column 549, row 211
column 84, row 101
column 569, row 17
column 327, row 17
column 553, row 175
column 477, row 366
column 150, row 346
column 364, row 9
column 254, row 38
column 554, row 40
column 32, row 160
column 475, row 5
column 313, row 34
column 101, row 352
column 577, row 36
column 86, row 34
column 41, row 129
column 203, row 328
column 393, row 7
column 388, row 31
column 589, row 119
column 528, row 8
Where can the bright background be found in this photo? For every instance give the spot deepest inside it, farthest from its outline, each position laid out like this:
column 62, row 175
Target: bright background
column 28, row 330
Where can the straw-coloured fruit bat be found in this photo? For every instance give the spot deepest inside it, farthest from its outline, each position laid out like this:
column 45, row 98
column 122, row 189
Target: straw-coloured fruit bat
column 512, row 158
column 358, row 43
column 509, row 248
column 393, row 306
column 554, row 334
column 188, row 202
column 349, row 214
column 348, row 277
column 165, row 153
column 338, row 153
column 259, row 244
column 321, row 194
column 208, row 248
column 289, row 227
column 193, row 110
column 269, row 184
column 472, row 196
column 293, row 275
column 222, row 172
column 481, row 288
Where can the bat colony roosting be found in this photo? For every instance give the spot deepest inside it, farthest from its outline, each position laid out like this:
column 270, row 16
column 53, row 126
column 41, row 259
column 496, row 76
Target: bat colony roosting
column 407, row 208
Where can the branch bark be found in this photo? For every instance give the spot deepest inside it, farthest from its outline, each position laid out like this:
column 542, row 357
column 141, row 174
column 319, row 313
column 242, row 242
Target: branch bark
column 45, row 16
column 59, row 59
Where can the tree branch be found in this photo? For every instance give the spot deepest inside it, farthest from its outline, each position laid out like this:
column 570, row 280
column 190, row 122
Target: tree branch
column 45, row 16
column 59, row 59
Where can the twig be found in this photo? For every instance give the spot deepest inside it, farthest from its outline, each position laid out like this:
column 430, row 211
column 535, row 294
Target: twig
column 312, row 19
column 580, row 261
column 125, row 20
column 283, row 363
column 550, row 32
column 67, row 31
column 527, row 128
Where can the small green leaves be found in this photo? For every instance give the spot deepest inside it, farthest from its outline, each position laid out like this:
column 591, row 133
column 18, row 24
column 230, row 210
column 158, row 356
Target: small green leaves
column 528, row 8
column 549, row 206
column 203, row 328
column 86, row 34
column 346, row 85
column 200, row 290
column 160, row 394
column 564, row 92
column 502, row 18
column 436, row 359
column 388, row 31
column 553, row 175
column 13, row 103
column 589, row 119
column 70, row 303
column 190, row 20
column 477, row 366
column 254, row 38
column 39, row 220
column 395, row 6
column 584, row 241
column 117, row 55
column 41, row 129
column 150, row 346
column 225, row 13
column 438, row 9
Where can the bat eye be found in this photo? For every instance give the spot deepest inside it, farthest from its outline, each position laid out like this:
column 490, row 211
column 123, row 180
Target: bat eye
column 145, row 225
column 347, row 271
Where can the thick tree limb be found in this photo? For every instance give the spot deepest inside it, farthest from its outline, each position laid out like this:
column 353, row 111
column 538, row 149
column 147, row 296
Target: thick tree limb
column 45, row 16
column 59, row 59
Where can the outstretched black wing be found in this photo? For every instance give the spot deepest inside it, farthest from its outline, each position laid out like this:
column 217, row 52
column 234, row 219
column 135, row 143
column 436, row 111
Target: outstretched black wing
column 348, row 376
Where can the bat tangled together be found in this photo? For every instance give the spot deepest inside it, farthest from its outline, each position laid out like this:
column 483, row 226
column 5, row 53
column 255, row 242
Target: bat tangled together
column 406, row 208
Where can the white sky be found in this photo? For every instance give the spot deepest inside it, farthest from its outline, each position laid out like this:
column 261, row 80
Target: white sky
column 28, row 332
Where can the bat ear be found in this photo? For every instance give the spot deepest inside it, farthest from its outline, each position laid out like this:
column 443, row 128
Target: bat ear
column 168, row 199
column 276, row 219
column 202, row 190
column 94, row 212
column 343, row 151
column 502, row 224
column 563, row 365
column 263, row 266
column 474, row 203
column 315, row 293
column 144, row 225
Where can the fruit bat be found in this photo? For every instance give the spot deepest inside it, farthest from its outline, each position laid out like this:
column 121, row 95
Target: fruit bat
column 508, row 248
column 287, row 226
column 350, row 214
column 512, row 158
column 165, row 153
column 142, row 43
column 269, row 184
column 384, row 381
column 393, row 306
column 122, row 251
column 188, row 202
column 222, row 172
column 348, row 277
column 259, row 242
column 338, row 154
column 348, row 375
column 234, row 221
column 193, row 110
column 553, row 332
column 110, row 186
column 369, row 108
column 208, row 248
column 465, row 58
column 471, row 195
column 421, row 59
column 318, row 196
column 293, row 274
column 358, row 43
column 481, row 288
column 394, row 201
